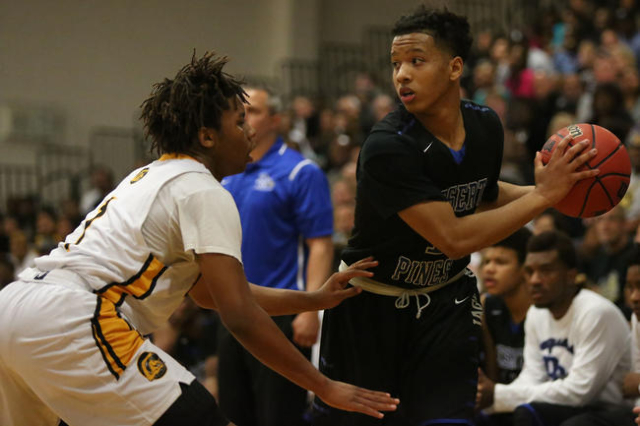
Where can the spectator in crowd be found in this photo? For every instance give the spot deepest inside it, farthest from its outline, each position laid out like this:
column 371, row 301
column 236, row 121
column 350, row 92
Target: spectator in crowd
column 7, row 271
column 22, row 253
column 505, row 304
column 631, row 386
column 287, row 222
column 101, row 184
column 605, row 270
column 46, row 237
column 548, row 220
column 381, row 105
column 631, row 200
column 577, row 345
column 609, row 110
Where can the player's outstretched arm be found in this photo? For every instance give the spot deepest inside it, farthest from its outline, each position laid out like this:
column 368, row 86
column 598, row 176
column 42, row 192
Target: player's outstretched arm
column 457, row 237
column 290, row 302
column 253, row 328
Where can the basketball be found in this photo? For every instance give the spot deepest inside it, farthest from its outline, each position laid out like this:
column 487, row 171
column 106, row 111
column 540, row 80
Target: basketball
column 597, row 195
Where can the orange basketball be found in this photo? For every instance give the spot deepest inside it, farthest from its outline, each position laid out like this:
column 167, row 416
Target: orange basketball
column 597, row 195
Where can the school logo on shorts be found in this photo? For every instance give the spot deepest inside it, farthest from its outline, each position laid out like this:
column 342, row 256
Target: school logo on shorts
column 151, row 366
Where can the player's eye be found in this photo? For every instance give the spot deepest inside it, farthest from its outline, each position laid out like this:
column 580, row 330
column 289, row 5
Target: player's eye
column 416, row 61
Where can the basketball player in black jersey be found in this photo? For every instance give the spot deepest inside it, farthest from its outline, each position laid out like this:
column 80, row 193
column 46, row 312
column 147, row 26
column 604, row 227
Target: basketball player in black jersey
column 505, row 302
column 423, row 174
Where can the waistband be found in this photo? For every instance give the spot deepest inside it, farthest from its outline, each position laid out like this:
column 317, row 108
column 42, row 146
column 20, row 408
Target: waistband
column 373, row 286
column 62, row 277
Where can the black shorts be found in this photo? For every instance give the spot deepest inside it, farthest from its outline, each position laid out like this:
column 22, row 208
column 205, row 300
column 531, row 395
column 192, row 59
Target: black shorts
column 195, row 407
column 430, row 363
column 250, row 393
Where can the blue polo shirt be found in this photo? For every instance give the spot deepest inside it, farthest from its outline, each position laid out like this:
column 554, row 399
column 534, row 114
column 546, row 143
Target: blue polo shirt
column 283, row 199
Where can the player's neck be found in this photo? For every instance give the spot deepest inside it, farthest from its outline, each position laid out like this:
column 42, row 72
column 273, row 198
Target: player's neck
column 518, row 302
column 446, row 122
column 561, row 307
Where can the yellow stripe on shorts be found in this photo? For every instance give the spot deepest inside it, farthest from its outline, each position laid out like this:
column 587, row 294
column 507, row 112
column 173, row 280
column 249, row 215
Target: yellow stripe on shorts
column 114, row 336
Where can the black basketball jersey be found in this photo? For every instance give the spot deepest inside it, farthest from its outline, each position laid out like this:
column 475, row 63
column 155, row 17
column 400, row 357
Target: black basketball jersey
column 508, row 338
column 402, row 164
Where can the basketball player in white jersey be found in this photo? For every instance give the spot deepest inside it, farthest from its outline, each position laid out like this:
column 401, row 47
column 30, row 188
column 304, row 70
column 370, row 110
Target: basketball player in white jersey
column 72, row 345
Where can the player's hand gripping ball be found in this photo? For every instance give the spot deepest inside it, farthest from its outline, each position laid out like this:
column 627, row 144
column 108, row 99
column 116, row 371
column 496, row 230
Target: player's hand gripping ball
column 597, row 195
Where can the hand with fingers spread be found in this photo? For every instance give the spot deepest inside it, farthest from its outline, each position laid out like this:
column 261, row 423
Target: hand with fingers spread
column 557, row 177
column 334, row 290
column 352, row 398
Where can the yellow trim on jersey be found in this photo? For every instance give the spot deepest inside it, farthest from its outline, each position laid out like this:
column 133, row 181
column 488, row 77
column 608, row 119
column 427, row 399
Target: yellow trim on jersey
column 138, row 286
column 176, row 156
column 87, row 223
column 117, row 340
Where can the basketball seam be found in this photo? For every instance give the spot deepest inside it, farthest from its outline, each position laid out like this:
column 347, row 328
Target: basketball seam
column 604, row 188
column 608, row 156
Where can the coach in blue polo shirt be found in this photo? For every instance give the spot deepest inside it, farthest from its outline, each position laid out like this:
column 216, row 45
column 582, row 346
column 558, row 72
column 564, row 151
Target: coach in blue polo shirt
column 287, row 222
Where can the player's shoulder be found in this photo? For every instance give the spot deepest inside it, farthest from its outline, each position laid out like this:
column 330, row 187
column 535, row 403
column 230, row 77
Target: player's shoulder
column 589, row 303
column 189, row 184
column 393, row 122
column 293, row 165
column 482, row 113
column 398, row 132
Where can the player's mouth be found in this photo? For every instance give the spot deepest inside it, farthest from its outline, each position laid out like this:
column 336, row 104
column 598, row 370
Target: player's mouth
column 537, row 296
column 489, row 283
column 406, row 95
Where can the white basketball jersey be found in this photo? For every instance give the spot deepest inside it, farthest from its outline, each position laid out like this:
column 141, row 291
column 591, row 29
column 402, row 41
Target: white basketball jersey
column 109, row 251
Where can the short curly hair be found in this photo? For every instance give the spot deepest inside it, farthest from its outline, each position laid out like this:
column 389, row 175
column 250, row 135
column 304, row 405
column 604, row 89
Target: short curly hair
column 195, row 98
column 450, row 31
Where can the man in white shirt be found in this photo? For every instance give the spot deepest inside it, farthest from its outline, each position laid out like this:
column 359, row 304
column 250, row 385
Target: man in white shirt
column 576, row 349
column 631, row 386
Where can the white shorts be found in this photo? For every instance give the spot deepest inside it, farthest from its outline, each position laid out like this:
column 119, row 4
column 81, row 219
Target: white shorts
column 67, row 353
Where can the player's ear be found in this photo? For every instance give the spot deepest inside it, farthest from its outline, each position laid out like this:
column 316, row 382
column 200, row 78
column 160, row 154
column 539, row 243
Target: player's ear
column 207, row 137
column 456, row 67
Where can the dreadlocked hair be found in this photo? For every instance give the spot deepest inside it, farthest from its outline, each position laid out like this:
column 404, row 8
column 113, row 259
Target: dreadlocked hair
column 448, row 30
column 195, row 98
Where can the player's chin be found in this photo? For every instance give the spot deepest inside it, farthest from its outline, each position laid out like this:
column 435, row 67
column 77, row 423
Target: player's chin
column 636, row 311
column 492, row 289
column 411, row 107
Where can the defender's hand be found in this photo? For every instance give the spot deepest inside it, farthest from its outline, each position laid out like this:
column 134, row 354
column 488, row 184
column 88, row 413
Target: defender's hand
column 334, row 290
column 557, row 177
column 352, row 398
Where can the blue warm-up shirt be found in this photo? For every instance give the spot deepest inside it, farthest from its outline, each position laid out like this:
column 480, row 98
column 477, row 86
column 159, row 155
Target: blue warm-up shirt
column 283, row 199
